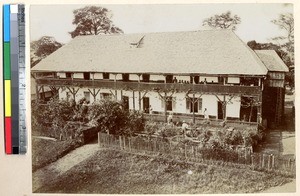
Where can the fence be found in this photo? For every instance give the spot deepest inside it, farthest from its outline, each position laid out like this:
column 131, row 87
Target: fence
column 198, row 153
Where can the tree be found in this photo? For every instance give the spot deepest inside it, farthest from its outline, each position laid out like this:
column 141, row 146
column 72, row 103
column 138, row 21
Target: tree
column 282, row 53
column 286, row 22
column 93, row 20
column 42, row 48
column 222, row 21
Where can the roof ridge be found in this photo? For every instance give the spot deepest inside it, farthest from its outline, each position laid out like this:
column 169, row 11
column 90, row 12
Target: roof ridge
column 253, row 54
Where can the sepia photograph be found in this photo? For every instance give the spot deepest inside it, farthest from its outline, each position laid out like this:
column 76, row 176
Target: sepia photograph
column 163, row 98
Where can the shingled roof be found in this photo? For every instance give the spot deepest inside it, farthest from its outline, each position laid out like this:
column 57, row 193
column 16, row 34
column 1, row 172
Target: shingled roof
column 272, row 61
column 206, row 52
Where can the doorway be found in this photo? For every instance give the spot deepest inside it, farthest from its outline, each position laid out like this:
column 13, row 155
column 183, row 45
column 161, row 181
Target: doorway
column 195, row 106
column 125, row 100
column 220, row 110
column 146, row 104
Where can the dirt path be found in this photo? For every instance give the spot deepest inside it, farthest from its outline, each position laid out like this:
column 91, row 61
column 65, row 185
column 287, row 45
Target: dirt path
column 44, row 175
column 286, row 188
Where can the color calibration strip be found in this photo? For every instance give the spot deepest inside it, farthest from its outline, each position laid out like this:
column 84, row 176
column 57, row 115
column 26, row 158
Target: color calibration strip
column 14, row 78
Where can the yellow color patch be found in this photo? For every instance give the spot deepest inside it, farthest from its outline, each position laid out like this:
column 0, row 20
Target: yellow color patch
column 7, row 99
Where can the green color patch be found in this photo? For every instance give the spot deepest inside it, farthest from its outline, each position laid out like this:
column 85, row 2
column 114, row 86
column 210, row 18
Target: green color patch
column 6, row 56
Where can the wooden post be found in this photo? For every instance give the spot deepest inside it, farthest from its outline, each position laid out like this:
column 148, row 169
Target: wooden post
column 129, row 143
column 133, row 99
column 115, row 83
column 252, row 161
column 124, row 142
column 165, row 101
column 273, row 161
column 193, row 108
column 245, row 155
column 140, row 104
column 37, row 92
column 196, row 154
column 185, row 155
column 269, row 162
column 262, row 161
column 120, row 139
column 99, row 143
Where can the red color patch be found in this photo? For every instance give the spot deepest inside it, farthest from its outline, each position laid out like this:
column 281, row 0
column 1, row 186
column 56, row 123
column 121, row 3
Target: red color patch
column 8, row 146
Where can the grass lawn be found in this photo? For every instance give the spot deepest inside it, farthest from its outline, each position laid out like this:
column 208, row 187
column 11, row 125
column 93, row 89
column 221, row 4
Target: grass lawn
column 48, row 151
column 116, row 172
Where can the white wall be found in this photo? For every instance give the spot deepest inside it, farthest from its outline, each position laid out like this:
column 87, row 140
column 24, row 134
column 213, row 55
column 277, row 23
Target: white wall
column 78, row 75
column 184, row 78
column 233, row 80
column 233, row 108
column 208, row 79
column 133, row 77
column 98, row 76
column 61, row 75
column 210, row 102
column 157, row 77
column 118, row 76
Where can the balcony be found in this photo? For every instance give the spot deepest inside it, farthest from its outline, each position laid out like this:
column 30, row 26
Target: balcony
column 152, row 86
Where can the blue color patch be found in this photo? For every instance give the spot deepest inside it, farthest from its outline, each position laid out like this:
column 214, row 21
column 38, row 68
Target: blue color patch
column 6, row 23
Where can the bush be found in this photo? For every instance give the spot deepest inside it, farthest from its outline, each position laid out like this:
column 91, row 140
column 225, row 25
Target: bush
column 151, row 127
column 109, row 116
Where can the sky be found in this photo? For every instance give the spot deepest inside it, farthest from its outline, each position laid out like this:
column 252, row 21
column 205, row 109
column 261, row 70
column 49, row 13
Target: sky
column 56, row 20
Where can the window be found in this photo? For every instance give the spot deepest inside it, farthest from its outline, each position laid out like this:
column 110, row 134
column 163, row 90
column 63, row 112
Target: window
column 105, row 75
column 197, row 105
column 105, row 96
column 169, row 78
column 125, row 77
column 67, row 96
column 87, row 75
column 87, row 96
column 146, row 77
column 200, row 104
column 68, row 75
column 169, row 104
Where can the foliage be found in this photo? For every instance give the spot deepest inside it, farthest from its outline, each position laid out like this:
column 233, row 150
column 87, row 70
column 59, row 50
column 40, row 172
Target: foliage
column 282, row 52
column 151, row 127
column 93, row 20
column 169, row 131
column 109, row 116
column 42, row 48
column 286, row 22
column 222, row 21
column 134, row 123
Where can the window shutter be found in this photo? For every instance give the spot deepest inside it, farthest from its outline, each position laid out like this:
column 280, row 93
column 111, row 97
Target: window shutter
column 173, row 103
column 162, row 103
column 187, row 100
column 200, row 104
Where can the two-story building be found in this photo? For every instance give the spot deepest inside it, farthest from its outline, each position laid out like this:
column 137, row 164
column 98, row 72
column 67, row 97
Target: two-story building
column 182, row 73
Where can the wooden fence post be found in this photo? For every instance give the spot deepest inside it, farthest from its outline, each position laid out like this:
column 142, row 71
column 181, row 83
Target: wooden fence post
column 124, row 142
column 185, row 155
column 196, row 154
column 273, row 161
column 252, row 161
column 129, row 144
column 120, row 140
column 263, row 161
column 269, row 162
column 99, row 143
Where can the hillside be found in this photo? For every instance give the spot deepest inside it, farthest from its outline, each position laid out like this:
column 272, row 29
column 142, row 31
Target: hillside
column 113, row 172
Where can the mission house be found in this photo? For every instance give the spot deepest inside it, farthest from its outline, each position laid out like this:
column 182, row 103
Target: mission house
column 182, row 73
